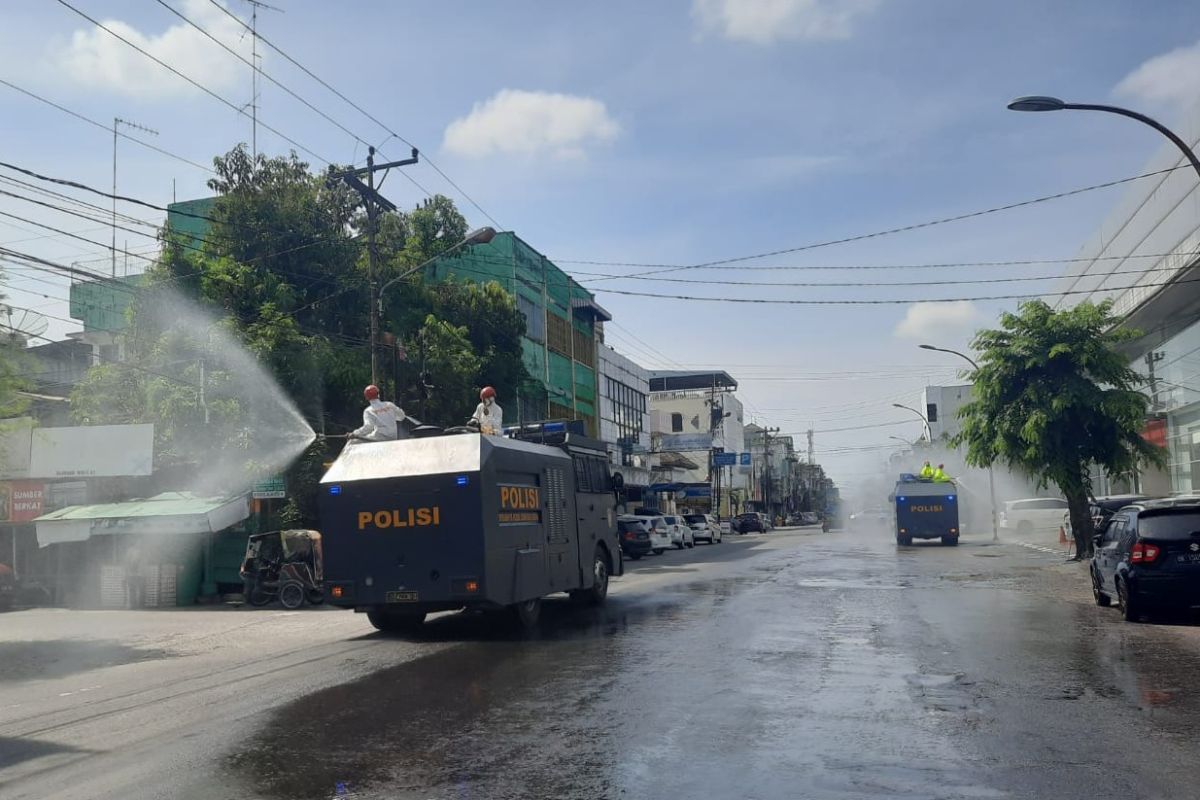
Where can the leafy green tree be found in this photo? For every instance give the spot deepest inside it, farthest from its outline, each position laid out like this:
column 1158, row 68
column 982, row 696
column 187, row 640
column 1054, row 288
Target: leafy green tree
column 1053, row 397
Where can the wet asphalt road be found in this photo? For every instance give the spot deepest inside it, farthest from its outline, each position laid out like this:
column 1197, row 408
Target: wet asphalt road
column 792, row 665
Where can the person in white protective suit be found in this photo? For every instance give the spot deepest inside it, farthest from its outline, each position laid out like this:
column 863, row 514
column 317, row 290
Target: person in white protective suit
column 380, row 418
column 488, row 413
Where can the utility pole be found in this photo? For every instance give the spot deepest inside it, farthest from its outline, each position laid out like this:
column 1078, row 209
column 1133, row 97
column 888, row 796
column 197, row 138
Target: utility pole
column 117, row 122
column 374, row 202
column 1152, row 358
column 767, row 468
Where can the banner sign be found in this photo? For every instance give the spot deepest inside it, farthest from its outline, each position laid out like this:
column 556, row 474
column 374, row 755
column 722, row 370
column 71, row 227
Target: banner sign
column 22, row 501
column 272, row 488
column 92, row 451
column 725, row 459
column 685, row 442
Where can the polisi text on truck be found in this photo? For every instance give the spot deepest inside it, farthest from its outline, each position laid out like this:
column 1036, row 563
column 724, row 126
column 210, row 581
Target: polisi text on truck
column 423, row 517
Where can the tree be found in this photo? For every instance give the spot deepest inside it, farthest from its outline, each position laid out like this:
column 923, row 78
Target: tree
column 1053, row 397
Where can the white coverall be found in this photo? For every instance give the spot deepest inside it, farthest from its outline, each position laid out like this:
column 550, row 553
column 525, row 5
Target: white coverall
column 379, row 421
column 490, row 418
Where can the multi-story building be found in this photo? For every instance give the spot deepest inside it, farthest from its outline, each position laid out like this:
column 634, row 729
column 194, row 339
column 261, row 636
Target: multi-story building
column 625, row 419
column 942, row 404
column 696, row 415
column 560, row 343
column 1144, row 258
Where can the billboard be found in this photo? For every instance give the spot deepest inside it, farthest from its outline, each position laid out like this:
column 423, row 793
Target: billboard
column 92, row 451
column 15, row 444
column 685, row 442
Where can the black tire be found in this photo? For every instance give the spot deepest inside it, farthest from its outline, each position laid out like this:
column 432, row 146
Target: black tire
column 291, row 595
column 658, row 551
column 260, row 596
column 598, row 593
column 633, row 556
column 1129, row 609
column 315, row 596
column 691, row 544
column 679, row 546
column 396, row 622
column 527, row 614
column 950, row 541
column 1102, row 599
column 904, row 541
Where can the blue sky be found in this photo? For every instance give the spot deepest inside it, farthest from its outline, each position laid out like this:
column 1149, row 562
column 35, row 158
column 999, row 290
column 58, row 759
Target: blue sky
column 669, row 132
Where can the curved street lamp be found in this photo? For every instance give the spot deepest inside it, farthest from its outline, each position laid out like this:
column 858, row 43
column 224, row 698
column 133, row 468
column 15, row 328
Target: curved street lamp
column 928, row 431
column 1043, row 103
column 478, row 236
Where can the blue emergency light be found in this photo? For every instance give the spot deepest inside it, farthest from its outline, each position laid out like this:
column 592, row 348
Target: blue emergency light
column 335, row 490
column 949, row 497
column 901, row 499
column 461, row 480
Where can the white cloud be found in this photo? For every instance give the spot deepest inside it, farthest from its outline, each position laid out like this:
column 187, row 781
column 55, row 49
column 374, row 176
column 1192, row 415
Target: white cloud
column 1171, row 78
column 941, row 321
column 520, row 122
column 766, row 21
column 97, row 60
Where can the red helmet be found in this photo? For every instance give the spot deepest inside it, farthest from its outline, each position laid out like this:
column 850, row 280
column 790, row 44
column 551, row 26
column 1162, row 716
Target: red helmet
column 371, row 392
column 487, row 392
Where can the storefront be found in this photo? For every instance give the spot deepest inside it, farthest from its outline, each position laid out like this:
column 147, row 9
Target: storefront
column 169, row 546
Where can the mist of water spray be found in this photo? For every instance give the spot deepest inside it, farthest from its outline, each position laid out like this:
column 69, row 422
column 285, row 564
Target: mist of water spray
column 236, row 425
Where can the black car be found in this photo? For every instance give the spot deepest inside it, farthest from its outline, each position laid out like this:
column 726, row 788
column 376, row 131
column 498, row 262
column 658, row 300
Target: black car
column 634, row 536
column 750, row 523
column 1148, row 557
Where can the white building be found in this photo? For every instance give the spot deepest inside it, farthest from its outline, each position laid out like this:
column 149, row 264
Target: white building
column 1144, row 257
column 625, row 416
column 697, row 415
column 942, row 404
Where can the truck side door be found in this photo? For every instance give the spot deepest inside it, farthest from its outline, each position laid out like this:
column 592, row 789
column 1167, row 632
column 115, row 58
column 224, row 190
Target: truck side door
column 595, row 511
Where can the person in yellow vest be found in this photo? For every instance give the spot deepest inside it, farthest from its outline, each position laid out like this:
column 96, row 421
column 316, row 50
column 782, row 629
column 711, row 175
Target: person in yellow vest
column 940, row 476
column 926, row 473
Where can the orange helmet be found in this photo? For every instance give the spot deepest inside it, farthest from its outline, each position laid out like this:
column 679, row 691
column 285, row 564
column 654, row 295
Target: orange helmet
column 371, row 392
column 487, row 392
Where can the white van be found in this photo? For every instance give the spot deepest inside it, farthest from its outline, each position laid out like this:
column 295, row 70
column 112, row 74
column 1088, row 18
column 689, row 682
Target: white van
column 1033, row 515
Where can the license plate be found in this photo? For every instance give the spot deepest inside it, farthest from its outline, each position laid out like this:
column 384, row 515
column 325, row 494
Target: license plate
column 401, row 597
column 1188, row 558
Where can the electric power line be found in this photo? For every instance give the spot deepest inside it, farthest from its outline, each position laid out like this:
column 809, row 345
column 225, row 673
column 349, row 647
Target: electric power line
column 193, row 82
column 360, row 109
column 106, row 128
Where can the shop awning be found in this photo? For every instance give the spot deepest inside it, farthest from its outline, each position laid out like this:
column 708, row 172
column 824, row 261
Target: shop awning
column 170, row 513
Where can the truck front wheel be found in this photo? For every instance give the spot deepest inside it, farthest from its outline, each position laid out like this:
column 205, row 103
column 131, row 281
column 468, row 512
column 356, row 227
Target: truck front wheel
column 596, row 594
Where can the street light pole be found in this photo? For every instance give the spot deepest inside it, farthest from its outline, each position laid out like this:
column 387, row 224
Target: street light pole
column 928, row 430
column 991, row 471
column 1042, row 103
column 479, row 236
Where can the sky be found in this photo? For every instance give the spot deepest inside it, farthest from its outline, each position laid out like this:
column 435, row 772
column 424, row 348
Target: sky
column 679, row 132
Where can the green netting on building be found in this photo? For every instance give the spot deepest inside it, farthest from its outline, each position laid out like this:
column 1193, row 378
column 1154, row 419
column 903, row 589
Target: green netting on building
column 102, row 306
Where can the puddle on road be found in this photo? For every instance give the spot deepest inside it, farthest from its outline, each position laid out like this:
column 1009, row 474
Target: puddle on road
column 25, row 661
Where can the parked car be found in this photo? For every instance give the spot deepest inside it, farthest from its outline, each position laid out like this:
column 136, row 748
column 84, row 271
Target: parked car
column 809, row 518
column 1148, row 558
column 634, row 533
column 1033, row 515
column 751, row 522
column 660, row 532
column 1102, row 510
column 681, row 531
column 705, row 528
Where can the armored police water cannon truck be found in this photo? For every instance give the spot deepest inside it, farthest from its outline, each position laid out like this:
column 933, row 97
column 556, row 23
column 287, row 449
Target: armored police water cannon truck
column 465, row 520
column 925, row 510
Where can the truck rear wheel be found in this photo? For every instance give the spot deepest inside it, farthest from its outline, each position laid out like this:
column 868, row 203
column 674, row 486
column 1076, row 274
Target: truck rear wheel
column 598, row 592
column 950, row 541
column 904, row 541
column 528, row 613
column 396, row 622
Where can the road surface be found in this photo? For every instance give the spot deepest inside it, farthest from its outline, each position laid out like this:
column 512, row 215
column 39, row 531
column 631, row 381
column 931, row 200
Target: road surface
column 790, row 665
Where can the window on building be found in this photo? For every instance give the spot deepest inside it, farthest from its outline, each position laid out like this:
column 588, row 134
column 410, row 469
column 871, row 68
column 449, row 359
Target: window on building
column 558, row 334
column 676, row 423
column 535, row 318
column 628, row 411
column 931, row 412
column 585, row 348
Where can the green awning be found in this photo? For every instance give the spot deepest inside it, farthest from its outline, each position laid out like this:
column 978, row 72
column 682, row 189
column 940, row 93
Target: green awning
column 166, row 513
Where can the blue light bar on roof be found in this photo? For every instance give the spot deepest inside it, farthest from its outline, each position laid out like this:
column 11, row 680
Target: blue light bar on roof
column 335, row 490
